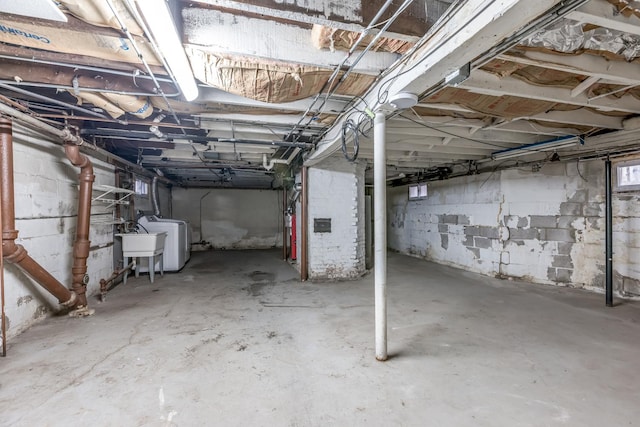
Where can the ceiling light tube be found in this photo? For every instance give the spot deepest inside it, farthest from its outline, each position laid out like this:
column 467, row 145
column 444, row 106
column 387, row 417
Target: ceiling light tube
column 551, row 145
column 158, row 18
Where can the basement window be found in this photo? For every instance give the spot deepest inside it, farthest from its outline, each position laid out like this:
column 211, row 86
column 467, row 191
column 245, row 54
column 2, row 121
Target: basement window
column 141, row 187
column 417, row 192
column 628, row 175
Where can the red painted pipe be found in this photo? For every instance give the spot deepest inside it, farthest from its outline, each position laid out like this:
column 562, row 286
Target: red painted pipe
column 304, row 225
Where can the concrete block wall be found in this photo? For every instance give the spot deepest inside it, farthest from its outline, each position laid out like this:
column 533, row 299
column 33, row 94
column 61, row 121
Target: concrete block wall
column 231, row 218
column 46, row 194
column 336, row 191
column 454, row 225
column 545, row 226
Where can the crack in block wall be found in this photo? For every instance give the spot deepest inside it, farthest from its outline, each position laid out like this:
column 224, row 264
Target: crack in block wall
column 545, row 227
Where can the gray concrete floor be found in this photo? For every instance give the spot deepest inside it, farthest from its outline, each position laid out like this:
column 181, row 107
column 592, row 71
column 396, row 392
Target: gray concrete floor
column 236, row 339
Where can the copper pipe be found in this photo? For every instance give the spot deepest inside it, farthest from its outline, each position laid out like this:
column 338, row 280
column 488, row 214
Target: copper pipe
column 16, row 254
column 82, row 243
column 304, row 225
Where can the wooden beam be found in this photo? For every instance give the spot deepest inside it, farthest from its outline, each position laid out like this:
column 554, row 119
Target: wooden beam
column 224, row 33
column 486, row 83
column 606, row 15
column 621, row 72
column 351, row 15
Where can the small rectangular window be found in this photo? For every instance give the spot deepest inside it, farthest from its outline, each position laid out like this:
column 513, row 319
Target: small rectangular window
column 141, row 187
column 628, row 175
column 418, row 191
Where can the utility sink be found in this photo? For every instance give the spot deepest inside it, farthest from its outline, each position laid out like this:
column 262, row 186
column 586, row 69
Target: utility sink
column 143, row 244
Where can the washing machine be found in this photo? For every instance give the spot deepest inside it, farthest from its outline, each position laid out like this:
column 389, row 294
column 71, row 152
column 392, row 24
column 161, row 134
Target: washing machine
column 177, row 245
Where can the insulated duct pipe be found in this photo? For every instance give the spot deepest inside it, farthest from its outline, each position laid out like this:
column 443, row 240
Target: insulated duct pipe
column 380, row 233
column 17, row 254
column 608, row 234
column 155, row 202
column 304, row 224
column 82, row 243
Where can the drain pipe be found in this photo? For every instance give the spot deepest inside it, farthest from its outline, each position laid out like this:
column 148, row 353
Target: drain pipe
column 304, row 224
column 82, row 243
column 17, row 254
column 608, row 234
column 154, row 196
column 380, row 236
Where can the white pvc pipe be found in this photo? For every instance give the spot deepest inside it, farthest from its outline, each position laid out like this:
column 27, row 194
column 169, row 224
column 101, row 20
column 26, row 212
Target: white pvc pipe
column 268, row 165
column 380, row 233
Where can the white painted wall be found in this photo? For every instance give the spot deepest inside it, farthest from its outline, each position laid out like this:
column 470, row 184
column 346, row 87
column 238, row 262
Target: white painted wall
column 46, row 207
column 337, row 192
column 231, row 218
column 545, row 227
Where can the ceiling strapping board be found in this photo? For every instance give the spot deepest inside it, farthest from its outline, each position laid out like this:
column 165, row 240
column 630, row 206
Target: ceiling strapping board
column 504, row 106
column 268, row 81
column 534, row 75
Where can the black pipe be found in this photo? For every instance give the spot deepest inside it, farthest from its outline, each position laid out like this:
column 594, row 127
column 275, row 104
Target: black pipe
column 609, row 234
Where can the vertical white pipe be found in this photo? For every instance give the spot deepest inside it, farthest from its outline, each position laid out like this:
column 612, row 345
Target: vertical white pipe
column 380, row 233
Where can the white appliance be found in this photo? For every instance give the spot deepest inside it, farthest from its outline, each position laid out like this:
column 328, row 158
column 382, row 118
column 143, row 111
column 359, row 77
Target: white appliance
column 177, row 245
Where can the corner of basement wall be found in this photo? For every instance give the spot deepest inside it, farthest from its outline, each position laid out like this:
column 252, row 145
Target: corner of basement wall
column 336, row 193
column 543, row 226
column 46, row 195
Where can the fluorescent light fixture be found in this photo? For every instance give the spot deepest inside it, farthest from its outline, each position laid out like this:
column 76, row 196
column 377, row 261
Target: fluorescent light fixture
column 163, row 30
column 42, row 9
column 551, row 145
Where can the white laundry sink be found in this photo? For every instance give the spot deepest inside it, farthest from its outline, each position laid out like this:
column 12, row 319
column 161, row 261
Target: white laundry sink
column 143, row 244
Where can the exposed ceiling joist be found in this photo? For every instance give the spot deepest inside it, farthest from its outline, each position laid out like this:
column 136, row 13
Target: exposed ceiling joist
column 478, row 149
column 486, row 83
column 606, row 15
column 448, row 49
column 589, row 65
column 213, row 95
column 398, row 126
column 350, row 15
column 582, row 117
column 224, row 33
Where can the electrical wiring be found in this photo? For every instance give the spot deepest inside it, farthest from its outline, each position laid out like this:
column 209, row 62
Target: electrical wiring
column 477, row 141
column 350, row 129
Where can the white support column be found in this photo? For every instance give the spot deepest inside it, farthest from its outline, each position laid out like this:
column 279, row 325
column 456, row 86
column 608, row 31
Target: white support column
column 380, row 234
